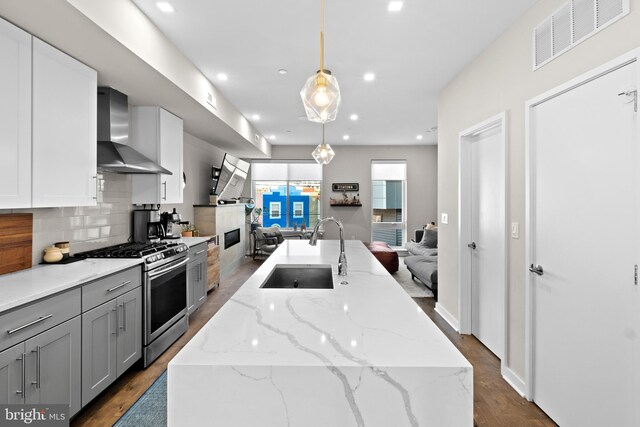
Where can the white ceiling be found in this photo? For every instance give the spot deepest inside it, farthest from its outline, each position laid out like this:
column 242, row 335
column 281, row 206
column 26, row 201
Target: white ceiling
column 413, row 53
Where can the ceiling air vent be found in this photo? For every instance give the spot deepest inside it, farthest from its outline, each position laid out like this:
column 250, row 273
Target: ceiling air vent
column 571, row 24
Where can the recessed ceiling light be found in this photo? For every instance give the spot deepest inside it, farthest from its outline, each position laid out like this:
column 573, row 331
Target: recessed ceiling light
column 255, row 116
column 222, row 77
column 395, row 6
column 282, row 71
column 272, row 137
column 353, row 117
column 369, row 77
column 345, row 137
column 419, row 137
column 164, row 7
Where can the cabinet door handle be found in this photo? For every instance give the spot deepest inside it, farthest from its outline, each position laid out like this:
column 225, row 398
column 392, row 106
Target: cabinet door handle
column 124, row 318
column 200, row 252
column 38, row 320
column 115, row 332
column 96, row 187
column 23, row 360
column 37, row 352
column 119, row 286
column 164, row 184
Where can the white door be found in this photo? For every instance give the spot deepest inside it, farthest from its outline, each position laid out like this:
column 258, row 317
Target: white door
column 584, row 231
column 487, row 239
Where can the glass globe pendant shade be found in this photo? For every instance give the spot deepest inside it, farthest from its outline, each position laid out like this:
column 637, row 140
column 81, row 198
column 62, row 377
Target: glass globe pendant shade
column 321, row 97
column 323, row 154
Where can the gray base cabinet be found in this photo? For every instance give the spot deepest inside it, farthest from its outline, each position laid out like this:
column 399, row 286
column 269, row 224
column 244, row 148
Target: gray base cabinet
column 196, row 277
column 11, row 390
column 44, row 369
column 111, row 342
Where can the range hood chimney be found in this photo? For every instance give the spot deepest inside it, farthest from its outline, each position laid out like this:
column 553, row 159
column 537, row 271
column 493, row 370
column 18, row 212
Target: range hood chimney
column 114, row 155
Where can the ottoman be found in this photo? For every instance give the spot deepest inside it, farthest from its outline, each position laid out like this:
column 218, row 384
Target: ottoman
column 384, row 254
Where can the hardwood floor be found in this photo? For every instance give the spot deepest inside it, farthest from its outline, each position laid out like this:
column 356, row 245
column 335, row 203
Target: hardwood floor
column 496, row 404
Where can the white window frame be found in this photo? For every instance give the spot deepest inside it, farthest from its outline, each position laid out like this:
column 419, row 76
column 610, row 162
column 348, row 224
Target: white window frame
column 296, row 206
column 272, row 210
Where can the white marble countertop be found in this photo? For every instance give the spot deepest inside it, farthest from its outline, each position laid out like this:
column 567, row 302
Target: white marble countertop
column 191, row 241
column 43, row 280
column 370, row 324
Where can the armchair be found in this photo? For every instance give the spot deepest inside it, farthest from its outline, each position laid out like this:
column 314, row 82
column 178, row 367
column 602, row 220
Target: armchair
column 266, row 240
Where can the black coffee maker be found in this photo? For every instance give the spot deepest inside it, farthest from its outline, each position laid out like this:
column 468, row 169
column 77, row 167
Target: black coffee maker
column 171, row 224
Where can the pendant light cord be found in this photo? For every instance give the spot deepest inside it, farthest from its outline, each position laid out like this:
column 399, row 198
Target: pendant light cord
column 322, row 38
column 323, row 134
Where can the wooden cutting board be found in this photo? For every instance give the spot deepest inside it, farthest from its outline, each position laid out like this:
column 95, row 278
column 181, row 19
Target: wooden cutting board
column 16, row 240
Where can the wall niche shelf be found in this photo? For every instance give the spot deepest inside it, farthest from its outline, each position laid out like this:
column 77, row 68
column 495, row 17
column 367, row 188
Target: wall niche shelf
column 345, row 204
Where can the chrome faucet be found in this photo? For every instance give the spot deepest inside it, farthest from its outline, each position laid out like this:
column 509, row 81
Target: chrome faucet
column 342, row 259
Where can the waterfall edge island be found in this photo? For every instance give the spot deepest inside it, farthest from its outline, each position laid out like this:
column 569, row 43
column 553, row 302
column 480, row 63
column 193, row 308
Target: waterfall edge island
column 360, row 354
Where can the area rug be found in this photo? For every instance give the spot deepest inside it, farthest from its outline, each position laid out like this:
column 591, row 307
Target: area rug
column 151, row 409
column 414, row 287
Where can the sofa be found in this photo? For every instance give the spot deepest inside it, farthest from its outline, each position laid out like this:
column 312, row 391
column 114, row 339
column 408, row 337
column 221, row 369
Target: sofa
column 422, row 261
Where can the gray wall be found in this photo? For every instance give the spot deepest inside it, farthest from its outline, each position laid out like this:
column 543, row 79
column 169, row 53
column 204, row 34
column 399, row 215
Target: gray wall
column 199, row 157
column 501, row 79
column 353, row 164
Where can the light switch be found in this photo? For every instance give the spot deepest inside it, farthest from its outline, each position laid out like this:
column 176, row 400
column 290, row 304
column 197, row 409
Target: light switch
column 445, row 218
column 515, row 230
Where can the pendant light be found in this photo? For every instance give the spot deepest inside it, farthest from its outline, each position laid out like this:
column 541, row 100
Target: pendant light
column 321, row 93
column 323, row 152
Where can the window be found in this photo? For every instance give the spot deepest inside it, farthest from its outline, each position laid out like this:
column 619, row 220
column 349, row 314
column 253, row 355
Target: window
column 288, row 193
column 274, row 210
column 388, row 219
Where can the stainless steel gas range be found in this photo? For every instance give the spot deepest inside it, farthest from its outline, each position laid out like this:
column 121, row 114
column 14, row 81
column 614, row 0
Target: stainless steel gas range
column 164, row 288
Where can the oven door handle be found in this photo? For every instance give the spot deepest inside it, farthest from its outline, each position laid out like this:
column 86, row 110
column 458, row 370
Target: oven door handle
column 157, row 273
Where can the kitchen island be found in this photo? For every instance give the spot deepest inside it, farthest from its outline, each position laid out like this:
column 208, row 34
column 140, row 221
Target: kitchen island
column 361, row 354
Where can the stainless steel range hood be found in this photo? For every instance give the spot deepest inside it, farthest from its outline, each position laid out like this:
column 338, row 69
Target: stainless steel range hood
column 113, row 134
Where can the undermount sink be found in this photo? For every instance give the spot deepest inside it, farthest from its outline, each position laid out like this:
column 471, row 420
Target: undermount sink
column 299, row 276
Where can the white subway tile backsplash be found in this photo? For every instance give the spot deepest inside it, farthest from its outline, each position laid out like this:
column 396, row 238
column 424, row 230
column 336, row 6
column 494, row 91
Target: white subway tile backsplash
column 105, row 231
column 85, row 227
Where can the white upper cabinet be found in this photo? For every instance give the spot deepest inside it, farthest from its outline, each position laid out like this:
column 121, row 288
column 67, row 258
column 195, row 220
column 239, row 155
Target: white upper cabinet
column 64, row 129
column 15, row 117
column 158, row 134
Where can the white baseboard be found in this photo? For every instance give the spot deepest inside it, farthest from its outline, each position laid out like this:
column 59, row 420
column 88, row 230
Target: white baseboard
column 513, row 380
column 451, row 320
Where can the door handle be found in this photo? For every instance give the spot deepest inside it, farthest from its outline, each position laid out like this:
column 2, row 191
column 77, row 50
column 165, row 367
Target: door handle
column 472, row 245
column 124, row 318
column 536, row 269
column 164, row 184
column 23, row 360
column 37, row 352
column 115, row 332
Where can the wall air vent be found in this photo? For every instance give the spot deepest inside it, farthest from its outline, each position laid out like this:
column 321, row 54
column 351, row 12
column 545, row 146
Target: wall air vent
column 574, row 22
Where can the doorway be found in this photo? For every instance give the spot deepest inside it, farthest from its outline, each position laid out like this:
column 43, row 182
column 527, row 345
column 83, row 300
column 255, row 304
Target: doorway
column 583, row 326
column 482, row 232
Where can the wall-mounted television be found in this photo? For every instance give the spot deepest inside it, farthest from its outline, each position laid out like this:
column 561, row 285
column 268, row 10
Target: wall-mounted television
column 233, row 174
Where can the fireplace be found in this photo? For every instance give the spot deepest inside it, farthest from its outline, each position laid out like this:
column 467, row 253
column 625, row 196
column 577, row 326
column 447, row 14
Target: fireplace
column 231, row 238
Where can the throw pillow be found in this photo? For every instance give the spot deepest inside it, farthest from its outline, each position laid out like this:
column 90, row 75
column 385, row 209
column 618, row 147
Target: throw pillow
column 430, row 238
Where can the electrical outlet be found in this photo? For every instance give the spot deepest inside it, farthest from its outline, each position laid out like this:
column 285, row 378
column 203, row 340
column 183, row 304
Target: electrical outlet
column 444, row 218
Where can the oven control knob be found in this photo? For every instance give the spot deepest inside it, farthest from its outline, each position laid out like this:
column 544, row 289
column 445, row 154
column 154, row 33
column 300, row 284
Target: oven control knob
column 160, row 256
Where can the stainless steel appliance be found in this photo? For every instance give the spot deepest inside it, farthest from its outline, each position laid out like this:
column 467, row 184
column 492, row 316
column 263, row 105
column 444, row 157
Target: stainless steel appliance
column 171, row 224
column 114, row 155
column 164, row 288
column 146, row 225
